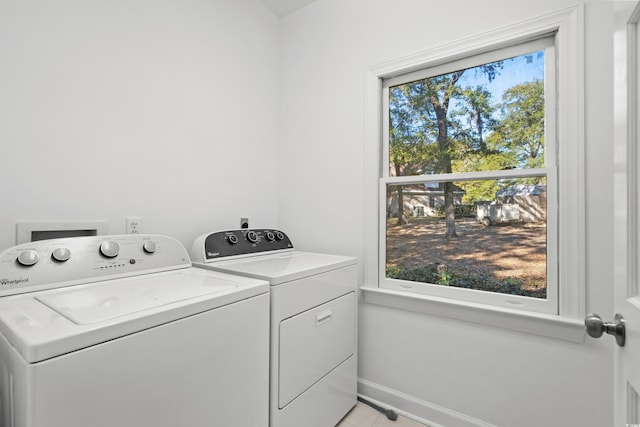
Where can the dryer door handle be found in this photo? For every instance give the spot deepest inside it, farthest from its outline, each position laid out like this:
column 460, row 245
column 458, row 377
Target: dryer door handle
column 323, row 317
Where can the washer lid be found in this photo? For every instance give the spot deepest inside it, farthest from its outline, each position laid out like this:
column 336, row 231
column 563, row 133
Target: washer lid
column 100, row 303
column 283, row 267
column 45, row 324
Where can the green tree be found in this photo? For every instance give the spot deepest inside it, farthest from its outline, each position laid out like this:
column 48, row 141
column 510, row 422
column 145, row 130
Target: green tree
column 476, row 109
column 409, row 132
column 521, row 129
column 516, row 140
column 440, row 90
column 421, row 118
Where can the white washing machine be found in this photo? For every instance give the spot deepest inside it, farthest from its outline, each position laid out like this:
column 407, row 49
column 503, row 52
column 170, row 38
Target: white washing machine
column 108, row 331
column 313, row 321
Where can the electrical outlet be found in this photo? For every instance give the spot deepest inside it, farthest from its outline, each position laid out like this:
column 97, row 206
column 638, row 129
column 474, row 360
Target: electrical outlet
column 244, row 222
column 134, row 225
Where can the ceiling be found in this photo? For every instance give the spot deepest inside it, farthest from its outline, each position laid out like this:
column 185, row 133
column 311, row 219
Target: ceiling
column 284, row 7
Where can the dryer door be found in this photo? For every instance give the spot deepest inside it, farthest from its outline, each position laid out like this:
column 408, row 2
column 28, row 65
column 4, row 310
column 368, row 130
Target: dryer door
column 313, row 343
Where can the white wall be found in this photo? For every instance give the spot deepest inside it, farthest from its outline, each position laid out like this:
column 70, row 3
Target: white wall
column 169, row 110
column 162, row 109
column 496, row 376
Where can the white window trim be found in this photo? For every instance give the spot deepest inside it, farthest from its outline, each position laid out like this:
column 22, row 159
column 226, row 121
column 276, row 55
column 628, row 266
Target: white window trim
column 568, row 324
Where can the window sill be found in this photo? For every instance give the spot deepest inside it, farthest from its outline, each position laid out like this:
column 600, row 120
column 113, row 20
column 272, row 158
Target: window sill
column 545, row 325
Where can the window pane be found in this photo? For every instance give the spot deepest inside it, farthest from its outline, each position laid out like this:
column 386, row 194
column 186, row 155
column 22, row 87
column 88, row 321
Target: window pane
column 489, row 117
column 501, row 229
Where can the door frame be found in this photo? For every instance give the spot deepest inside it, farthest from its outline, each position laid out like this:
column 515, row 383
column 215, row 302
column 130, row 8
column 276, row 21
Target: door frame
column 625, row 208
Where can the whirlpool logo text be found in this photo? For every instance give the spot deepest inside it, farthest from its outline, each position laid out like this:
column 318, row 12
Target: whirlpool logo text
column 12, row 282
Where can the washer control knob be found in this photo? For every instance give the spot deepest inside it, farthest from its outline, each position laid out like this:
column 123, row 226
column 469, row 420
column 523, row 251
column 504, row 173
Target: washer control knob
column 232, row 239
column 149, row 247
column 270, row 236
column 28, row 258
column 279, row 235
column 252, row 236
column 110, row 249
column 61, row 254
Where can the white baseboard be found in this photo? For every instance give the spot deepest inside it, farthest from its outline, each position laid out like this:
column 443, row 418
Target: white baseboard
column 411, row 407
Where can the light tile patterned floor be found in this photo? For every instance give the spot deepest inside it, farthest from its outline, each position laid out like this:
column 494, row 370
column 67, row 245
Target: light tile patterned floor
column 365, row 416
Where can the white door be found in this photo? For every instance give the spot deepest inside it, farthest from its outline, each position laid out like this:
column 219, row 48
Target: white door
column 627, row 211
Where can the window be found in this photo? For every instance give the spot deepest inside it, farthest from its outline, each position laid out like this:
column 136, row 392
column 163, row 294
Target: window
column 477, row 138
column 459, row 159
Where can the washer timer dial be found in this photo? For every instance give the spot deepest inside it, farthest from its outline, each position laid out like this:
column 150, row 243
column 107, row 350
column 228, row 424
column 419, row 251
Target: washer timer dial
column 28, row 258
column 110, row 249
column 149, row 247
column 61, row 254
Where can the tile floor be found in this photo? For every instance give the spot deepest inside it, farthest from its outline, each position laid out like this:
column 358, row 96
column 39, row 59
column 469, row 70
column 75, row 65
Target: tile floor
column 365, row 416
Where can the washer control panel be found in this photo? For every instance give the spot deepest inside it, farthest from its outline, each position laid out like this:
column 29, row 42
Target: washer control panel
column 56, row 263
column 237, row 243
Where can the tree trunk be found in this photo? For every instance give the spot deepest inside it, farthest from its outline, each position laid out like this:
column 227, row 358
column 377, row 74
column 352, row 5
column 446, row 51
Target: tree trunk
column 449, row 211
column 401, row 220
column 441, row 108
column 479, row 129
column 445, row 165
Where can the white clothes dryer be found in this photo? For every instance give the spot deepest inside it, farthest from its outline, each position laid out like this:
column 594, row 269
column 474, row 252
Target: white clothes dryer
column 107, row 331
column 313, row 321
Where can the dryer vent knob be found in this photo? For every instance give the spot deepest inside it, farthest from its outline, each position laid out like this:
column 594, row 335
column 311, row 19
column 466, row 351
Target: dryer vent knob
column 252, row 236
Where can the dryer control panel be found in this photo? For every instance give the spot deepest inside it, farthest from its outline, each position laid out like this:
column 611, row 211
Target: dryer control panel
column 55, row 263
column 238, row 243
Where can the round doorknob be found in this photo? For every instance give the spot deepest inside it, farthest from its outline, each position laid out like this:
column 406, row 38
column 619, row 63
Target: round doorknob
column 596, row 327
